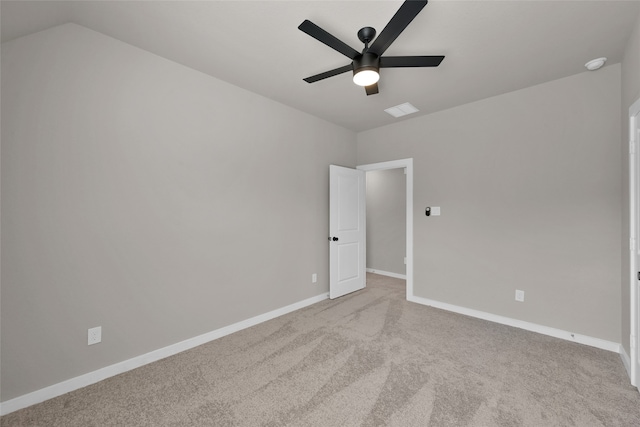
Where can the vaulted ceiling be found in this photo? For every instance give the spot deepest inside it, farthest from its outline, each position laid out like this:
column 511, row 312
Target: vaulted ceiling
column 490, row 47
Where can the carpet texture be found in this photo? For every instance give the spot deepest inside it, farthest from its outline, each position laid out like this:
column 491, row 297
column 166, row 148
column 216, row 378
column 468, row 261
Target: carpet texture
column 367, row 359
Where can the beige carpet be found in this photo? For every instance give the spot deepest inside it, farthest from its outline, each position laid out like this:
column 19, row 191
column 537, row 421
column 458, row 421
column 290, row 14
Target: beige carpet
column 367, row 359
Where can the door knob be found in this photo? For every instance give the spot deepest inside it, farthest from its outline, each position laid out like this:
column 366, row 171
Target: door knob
column 335, row 239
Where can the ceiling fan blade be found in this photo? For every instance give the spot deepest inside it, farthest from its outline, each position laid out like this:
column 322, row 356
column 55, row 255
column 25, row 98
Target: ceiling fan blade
column 321, row 35
column 400, row 21
column 410, row 61
column 329, row 73
column 371, row 89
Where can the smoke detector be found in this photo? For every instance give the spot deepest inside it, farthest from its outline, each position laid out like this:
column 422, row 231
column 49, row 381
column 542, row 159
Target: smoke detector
column 595, row 64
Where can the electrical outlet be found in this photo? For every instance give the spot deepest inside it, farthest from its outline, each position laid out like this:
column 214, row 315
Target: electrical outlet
column 94, row 335
column 519, row 295
column 314, row 278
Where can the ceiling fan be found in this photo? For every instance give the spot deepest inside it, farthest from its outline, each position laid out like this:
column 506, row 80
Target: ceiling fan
column 366, row 65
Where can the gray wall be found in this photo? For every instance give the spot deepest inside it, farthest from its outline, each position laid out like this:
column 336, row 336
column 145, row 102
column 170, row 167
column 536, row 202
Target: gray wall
column 148, row 198
column 386, row 220
column 529, row 185
column 630, row 93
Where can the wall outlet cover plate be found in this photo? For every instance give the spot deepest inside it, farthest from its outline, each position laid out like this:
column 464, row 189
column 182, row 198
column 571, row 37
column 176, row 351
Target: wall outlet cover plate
column 94, row 335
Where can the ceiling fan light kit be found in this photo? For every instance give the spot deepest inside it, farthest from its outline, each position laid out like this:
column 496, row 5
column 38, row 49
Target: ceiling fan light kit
column 365, row 77
column 366, row 64
column 365, row 69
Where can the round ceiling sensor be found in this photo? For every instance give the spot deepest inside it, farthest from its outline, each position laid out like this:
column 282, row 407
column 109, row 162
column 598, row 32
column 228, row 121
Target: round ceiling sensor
column 594, row 64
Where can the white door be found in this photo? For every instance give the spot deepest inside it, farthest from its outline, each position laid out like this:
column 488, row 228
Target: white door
column 347, row 231
column 634, row 166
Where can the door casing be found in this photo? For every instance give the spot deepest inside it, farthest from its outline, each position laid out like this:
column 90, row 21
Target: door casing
column 407, row 165
column 634, row 245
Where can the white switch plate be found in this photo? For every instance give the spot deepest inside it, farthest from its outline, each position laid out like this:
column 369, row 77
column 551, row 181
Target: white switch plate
column 435, row 211
column 520, row 296
column 314, row 278
column 94, row 335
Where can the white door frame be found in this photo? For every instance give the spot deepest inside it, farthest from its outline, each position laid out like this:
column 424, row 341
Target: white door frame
column 407, row 164
column 634, row 110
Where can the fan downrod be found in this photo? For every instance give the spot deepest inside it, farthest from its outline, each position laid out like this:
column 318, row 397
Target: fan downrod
column 366, row 34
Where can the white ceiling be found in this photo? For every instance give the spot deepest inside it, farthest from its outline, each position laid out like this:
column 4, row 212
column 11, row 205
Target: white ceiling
column 490, row 47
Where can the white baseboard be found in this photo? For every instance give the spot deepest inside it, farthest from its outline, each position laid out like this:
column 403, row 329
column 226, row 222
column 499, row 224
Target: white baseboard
column 127, row 365
column 533, row 327
column 387, row 273
column 626, row 360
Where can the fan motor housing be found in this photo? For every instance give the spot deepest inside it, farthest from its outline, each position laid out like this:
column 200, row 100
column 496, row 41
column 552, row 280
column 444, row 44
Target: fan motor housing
column 366, row 61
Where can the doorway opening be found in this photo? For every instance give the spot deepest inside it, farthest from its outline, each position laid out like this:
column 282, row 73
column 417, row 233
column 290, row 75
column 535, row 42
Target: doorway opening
column 406, row 165
column 385, row 222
